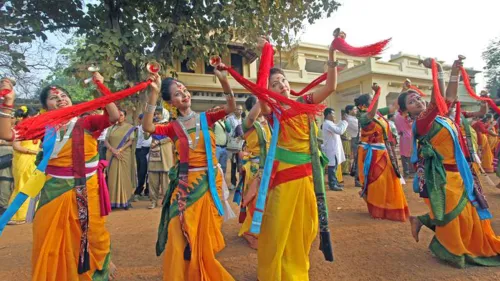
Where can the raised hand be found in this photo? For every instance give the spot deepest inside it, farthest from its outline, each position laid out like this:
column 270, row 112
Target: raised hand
column 221, row 74
column 155, row 86
column 6, row 84
column 98, row 77
column 375, row 87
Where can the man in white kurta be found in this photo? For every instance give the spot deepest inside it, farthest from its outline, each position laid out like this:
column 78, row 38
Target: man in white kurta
column 332, row 146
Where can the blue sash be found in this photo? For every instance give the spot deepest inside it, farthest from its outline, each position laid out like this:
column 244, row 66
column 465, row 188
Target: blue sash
column 48, row 147
column 210, row 164
column 368, row 161
column 266, row 177
column 462, row 165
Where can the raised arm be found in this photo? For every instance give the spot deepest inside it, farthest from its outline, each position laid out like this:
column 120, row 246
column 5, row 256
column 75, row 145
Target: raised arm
column 252, row 115
column 6, row 110
column 154, row 92
column 371, row 114
column 111, row 108
column 331, row 79
column 452, row 89
column 428, row 63
column 482, row 111
column 230, row 105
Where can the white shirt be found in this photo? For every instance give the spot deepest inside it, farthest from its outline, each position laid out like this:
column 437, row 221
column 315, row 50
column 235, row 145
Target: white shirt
column 102, row 137
column 141, row 142
column 332, row 144
column 352, row 126
column 233, row 122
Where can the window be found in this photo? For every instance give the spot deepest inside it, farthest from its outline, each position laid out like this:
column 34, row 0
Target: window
column 209, row 69
column 237, row 63
column 184, row 66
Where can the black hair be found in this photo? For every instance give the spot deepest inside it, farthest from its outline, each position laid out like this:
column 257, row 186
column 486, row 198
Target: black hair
column 349, row 108
column 276, row 70
column 44, row 94
column 390, row 116
column 123, row 111
column 402, row 99
column 166, row 95
column 487, row 117
column 328, row 111
column 29, row 112
column 364, row 99
column 250, row 102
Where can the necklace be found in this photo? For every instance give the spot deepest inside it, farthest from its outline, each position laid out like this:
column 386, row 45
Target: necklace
column 187, row 117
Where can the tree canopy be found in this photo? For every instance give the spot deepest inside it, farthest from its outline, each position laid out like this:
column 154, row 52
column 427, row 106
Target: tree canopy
column 122, row 35
column 492, row 69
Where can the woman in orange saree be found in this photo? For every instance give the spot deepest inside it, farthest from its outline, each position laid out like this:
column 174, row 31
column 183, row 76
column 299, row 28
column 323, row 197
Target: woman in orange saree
column 382, row 188
column 481, row 127
column 70, row 240
column 190, row 226
column 460, row 220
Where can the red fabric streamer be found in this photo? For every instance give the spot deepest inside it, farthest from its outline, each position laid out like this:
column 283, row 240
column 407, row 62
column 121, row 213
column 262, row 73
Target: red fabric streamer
column 4, row 92
column 374, row 100
column 311, row 85
column 34, row 127
column 473, row 95
column 274, row 100
column 438, row 97
column 457, row 113
column 366, row 51
column 102, row 88
column 414, row 88
column 266, row 63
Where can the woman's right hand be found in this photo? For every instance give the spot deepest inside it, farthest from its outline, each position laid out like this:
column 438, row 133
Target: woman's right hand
column 6, row 84
column 155, row 86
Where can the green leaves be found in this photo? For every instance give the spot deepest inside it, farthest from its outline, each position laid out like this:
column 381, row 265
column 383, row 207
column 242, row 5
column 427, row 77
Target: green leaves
column 492, row 69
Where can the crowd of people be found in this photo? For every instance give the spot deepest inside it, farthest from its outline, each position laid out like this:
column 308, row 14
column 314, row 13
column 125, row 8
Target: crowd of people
column 97, row 161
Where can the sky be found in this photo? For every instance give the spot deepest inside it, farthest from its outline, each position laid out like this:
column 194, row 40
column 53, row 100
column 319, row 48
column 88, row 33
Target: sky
column 441, row 29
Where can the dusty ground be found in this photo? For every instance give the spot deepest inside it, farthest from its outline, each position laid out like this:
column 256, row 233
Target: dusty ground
column 365, row 249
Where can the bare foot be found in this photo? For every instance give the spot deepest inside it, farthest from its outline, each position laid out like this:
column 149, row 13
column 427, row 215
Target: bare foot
column 252, row 240
column 416, row 225
column 112, row 271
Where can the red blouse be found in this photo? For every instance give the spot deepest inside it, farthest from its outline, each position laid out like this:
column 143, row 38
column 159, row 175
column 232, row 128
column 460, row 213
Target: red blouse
column 212, row 117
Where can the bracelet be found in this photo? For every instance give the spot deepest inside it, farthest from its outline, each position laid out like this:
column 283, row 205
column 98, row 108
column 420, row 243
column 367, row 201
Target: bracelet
column 441, row 75
column 150, row 108
column 11, row 106
column 7, row 108
column 5, row 115
column 454, row 78
column 228, row 94
column 332, row 63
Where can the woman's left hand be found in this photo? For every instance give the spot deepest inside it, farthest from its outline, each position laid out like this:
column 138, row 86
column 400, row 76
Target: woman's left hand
column 98, row 77
column 221, row 74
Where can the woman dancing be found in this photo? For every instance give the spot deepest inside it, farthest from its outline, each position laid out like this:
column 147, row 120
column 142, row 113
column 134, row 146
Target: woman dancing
column 382, row 188
column 190, row 226
column 463, row 233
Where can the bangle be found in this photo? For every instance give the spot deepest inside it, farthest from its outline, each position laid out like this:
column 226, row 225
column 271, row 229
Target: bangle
column 454, row 78
column 332, row 63
column 11, row 106
column 228, row 94
column 441, row 75
column 150, row 108
column 7, row 108
column 5, row 115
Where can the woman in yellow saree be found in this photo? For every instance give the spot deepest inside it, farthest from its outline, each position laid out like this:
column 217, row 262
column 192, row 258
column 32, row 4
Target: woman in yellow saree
column 458, row 214
column 256, row 135
column 23, row 162
column 70, row 241
column 290, row 220
column 190, row 226
column 382, row 188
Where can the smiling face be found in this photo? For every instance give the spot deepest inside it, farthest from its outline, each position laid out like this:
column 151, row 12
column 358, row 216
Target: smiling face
column 279, row 84
column 415, row 104
column 180, row 96
column 122, row 117
column 57, row 99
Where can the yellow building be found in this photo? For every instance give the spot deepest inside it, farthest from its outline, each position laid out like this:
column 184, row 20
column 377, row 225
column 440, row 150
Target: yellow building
column 305, row 62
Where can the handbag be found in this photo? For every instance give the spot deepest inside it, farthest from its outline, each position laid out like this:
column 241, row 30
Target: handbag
column 235, row 144
column 5, row 161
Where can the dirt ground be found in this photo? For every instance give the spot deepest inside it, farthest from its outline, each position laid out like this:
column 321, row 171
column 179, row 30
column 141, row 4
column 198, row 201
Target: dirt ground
column 364, row 248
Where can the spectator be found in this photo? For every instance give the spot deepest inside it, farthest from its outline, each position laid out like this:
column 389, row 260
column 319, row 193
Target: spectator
column 221, row 130
column 332, row 146
column 141, row 158
column 353, row 132
column 235, row 142
column 6, row 179
column 404, row 130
